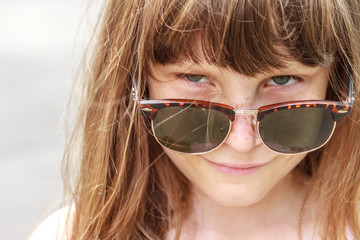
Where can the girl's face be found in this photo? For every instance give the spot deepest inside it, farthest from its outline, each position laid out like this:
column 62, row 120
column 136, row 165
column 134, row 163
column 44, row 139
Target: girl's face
column 242, row 171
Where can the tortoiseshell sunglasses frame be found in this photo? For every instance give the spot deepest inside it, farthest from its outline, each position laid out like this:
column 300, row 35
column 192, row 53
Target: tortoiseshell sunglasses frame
column 338, row 110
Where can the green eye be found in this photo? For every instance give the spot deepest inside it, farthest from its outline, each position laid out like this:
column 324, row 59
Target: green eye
column 195, row 78
column 282, row 80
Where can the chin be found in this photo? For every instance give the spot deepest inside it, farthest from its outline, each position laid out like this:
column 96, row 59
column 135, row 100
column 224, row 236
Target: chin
column 234, row 196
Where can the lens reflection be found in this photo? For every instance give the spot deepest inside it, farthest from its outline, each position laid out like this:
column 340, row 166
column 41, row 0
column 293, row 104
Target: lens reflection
column 190, row 129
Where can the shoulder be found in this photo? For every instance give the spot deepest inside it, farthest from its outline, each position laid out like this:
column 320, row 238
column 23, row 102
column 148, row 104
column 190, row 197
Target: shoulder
column 56, row 226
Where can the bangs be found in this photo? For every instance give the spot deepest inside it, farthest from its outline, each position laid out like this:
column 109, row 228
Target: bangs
column 247, row 36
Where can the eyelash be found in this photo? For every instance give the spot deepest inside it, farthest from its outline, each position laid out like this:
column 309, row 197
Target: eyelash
column 193, row 75
column 200, row 83
column 291, row 78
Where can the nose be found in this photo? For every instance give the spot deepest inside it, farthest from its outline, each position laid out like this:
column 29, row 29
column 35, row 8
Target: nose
column 243, row 136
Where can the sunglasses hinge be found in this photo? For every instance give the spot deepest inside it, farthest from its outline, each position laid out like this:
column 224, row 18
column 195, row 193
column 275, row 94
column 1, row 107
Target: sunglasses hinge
column 133, row 93
column 146, row 109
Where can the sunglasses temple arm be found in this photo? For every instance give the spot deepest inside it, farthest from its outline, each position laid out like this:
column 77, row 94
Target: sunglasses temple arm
column 350, row 99
column 134, row 92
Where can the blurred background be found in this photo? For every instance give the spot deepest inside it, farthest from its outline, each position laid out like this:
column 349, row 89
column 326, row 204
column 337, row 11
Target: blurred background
column 41, row 43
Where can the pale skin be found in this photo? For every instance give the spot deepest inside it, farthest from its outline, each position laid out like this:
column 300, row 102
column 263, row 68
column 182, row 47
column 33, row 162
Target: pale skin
column 229, row 201
column 242, row 190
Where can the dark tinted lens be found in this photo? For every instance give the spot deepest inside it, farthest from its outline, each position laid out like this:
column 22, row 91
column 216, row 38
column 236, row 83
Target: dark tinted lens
column 190, row 129
column 296, row 130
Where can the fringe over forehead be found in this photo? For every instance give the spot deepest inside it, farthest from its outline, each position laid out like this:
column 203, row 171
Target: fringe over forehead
column 248, row 36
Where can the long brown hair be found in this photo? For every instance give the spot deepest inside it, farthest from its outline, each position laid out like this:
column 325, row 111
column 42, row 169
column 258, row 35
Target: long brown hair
column 125, row 186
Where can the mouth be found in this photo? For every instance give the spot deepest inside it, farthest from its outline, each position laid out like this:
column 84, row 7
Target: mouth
column 236, row 169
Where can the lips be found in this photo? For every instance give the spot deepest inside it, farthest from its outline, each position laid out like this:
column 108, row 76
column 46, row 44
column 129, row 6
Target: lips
column 236, row 169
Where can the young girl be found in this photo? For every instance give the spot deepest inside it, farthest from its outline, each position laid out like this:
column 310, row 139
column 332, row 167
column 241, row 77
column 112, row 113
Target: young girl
column 212, row 120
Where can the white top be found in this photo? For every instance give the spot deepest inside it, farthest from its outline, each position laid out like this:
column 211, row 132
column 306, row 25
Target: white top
column 53, row 228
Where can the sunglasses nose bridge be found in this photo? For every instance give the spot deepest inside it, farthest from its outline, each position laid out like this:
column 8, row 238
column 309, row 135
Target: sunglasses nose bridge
column 248, row 112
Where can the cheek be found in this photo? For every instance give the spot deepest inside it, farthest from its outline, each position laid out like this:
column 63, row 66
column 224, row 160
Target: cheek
column 228, row 190
column 284, row 164
column 159, row 91
column 318, row 89
column 154, row 89
column 187, row 164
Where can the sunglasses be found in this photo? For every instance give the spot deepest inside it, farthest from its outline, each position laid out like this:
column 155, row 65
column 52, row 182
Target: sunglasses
column 196, row 127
